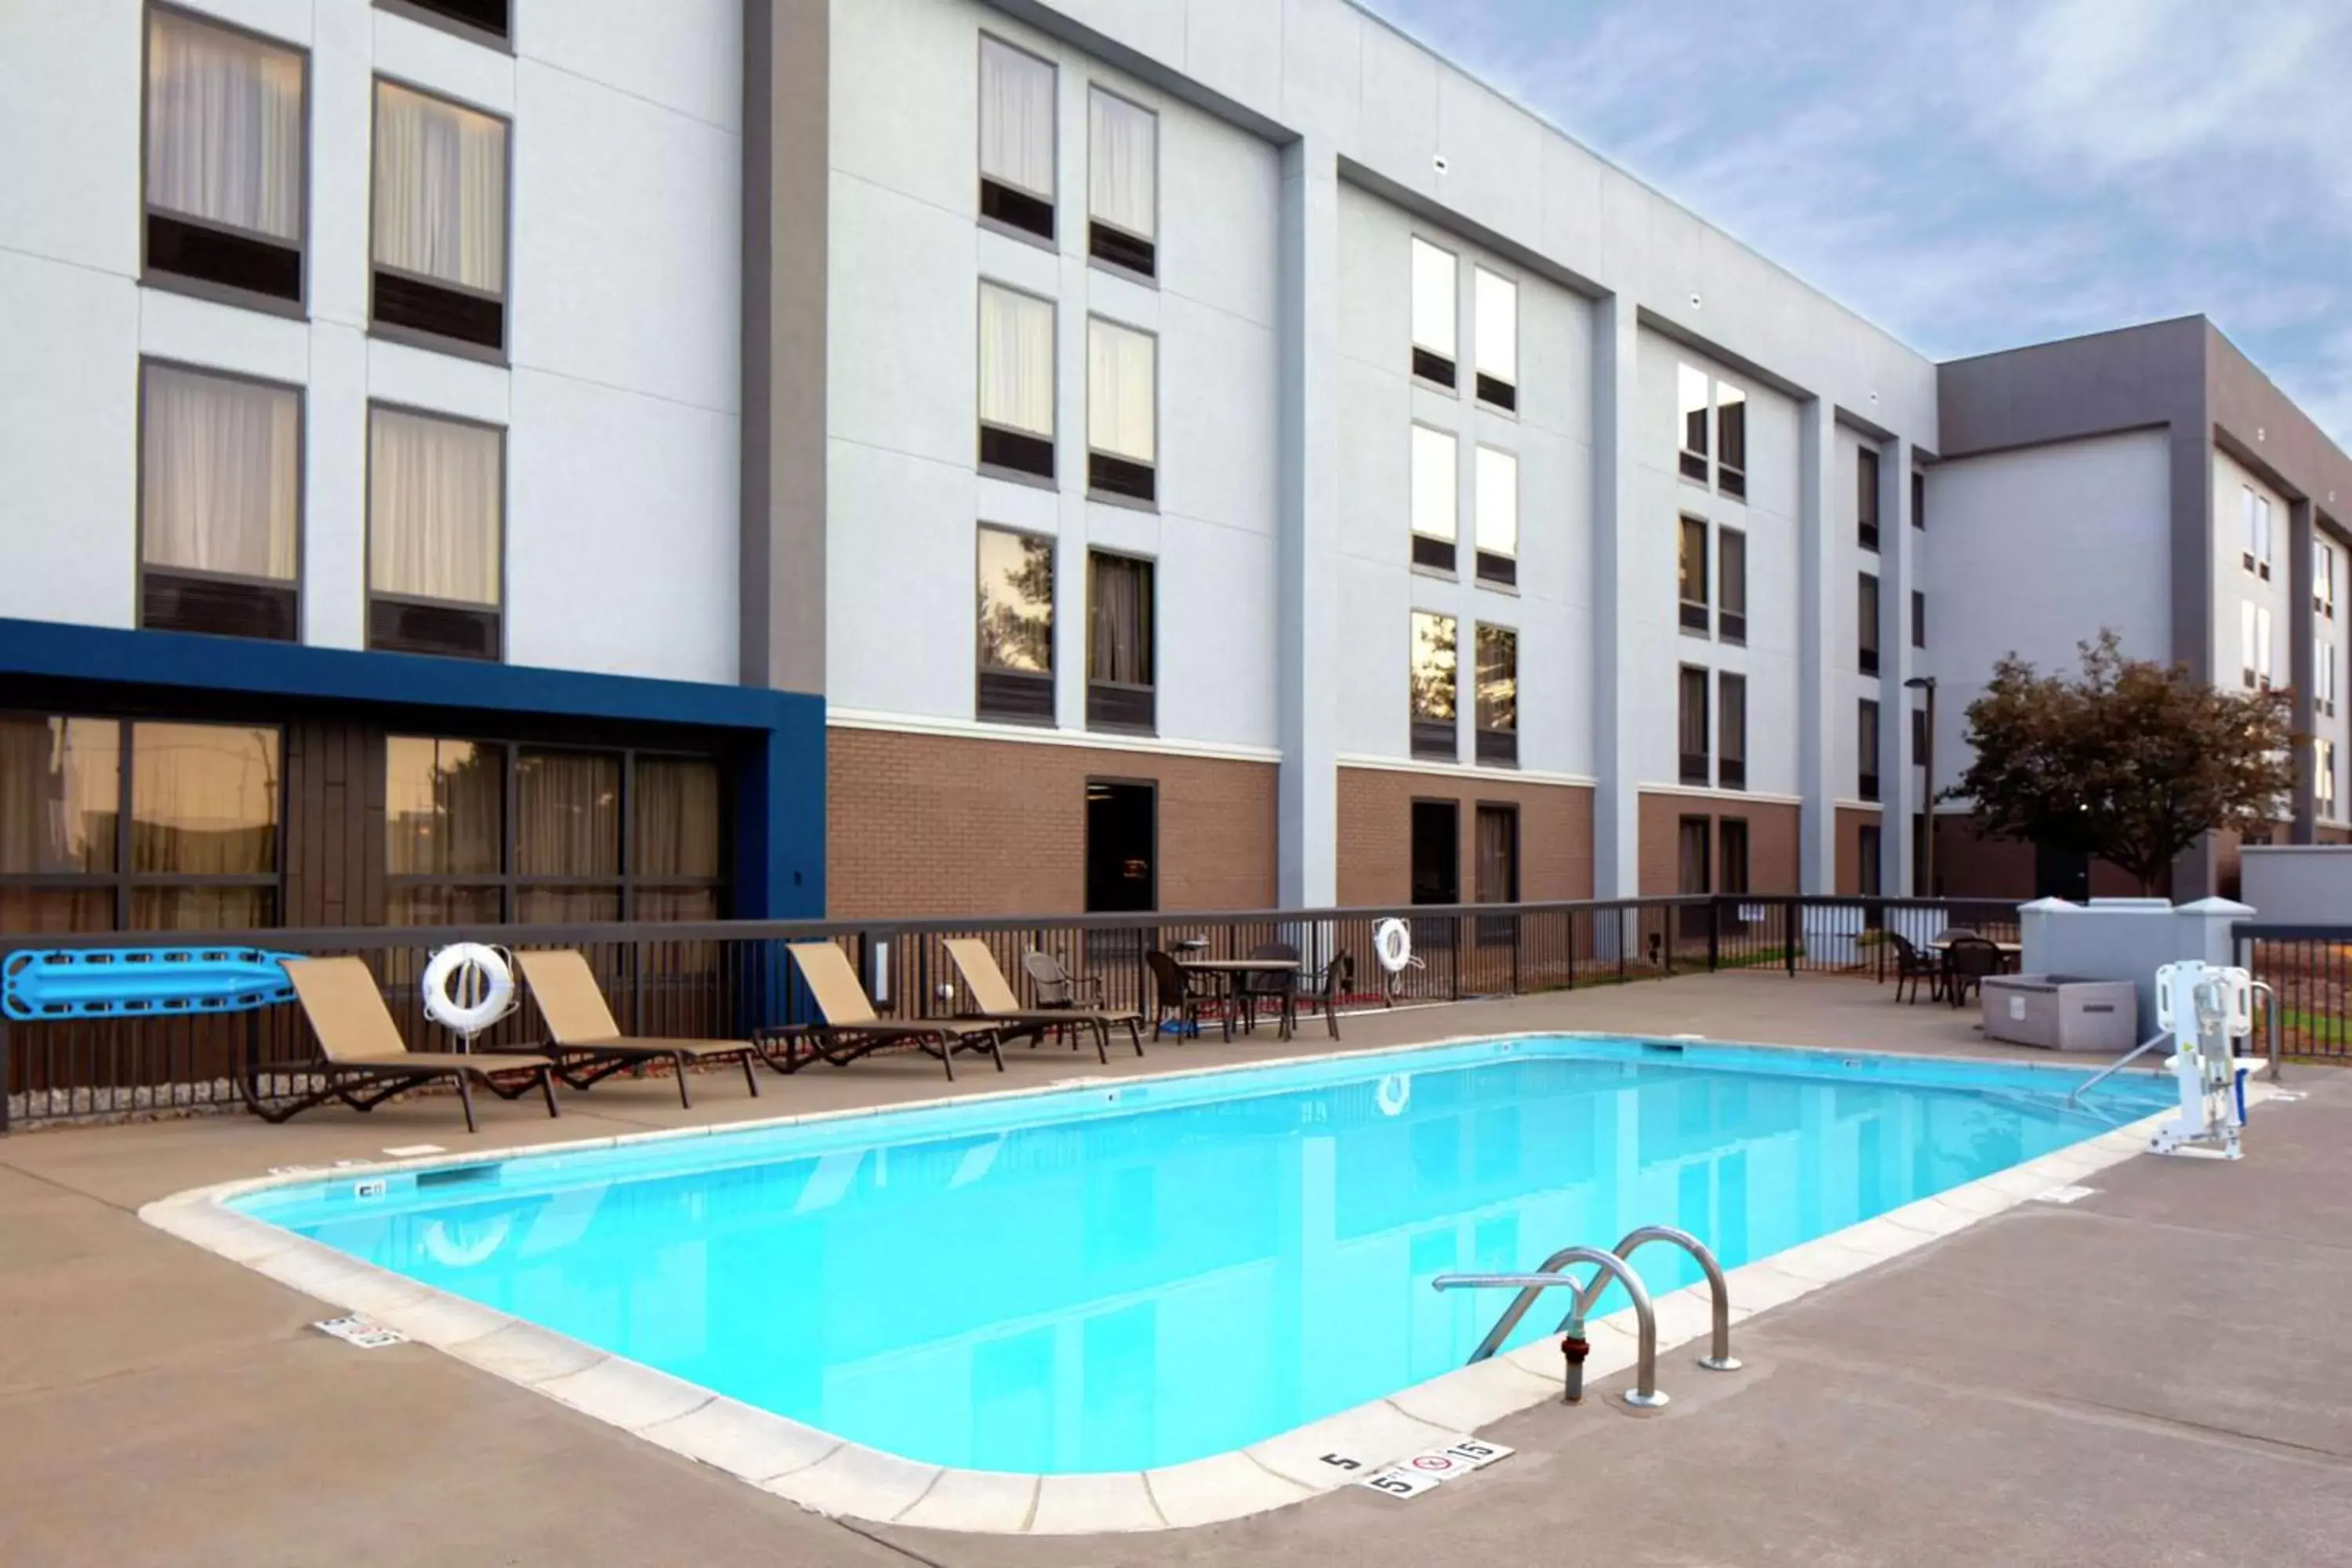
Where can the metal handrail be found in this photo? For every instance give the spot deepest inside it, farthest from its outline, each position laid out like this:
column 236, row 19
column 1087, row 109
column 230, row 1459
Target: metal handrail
column 2117, row 1066
column 2270, row 1018
column 1607, row 1266
column 1719, row 1357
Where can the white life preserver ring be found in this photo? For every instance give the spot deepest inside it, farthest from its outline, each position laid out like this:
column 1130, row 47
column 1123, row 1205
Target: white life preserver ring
column 1392, row 945
column 467, row 987
column 1395, row 1093
column 441, row 1240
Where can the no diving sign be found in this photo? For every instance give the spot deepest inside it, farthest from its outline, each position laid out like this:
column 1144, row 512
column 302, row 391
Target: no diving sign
column 1434, row 1466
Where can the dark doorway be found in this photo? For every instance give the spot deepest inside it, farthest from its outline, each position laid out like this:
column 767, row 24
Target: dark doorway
column 1436, row 852
column 1122, row 839
column 1499, row 855
column 1694, row 875
column 1868, row 856
column 2061, row 874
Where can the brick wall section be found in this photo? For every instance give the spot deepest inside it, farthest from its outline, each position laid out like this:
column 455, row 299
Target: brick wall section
column 1971, row 866
column 1771, row 841
column 1375, row 818
column 1851, row 821
column 938, row 824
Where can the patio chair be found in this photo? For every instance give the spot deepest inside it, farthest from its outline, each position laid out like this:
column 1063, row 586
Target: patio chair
column 1326, row 990
column 993, row 995
column 1272, row 985
column 1967, row 961
column 587, row 1043
column 365, row 1061
column 1911, row 965
column 1054, row 986
column 1172, row 992
column 851, row 1028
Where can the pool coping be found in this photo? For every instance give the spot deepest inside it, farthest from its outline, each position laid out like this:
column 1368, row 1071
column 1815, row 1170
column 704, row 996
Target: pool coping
column 833, row 1475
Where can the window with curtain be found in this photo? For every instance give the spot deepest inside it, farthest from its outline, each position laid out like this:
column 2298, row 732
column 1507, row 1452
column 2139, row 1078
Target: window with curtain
column 1731, row 872
column 224, row 151
column 1731, row 730
column 1731, row 585
column 1690, row 572
column 1495, row 873
column 1122, row 414
column 1691, row 409
column 1119, row 655
column 1016, row 138
column 444, row 831
column 1122, row 183
column 2246, row 655
column 1865, row 500
column 1495, row 312
column 1498, row 696
column 1691, row 725
column 2323, row 580
column 440, row 246
column 1692, row 856
column 1432, row 688
column 1866, row 623
column 1016, row 626
column 60, row 811
column 2323, row 776
column 1436, row 498
column 1016, row 381
column 2323, row 664
column 1730, row 439
column 436, row 504
column 1434, row 325
column 220, row 473
column 2249, row 542
column 1497, row 488
column 567, row 835
column 676, row 858
column 1866, row 750
column 2263, row 667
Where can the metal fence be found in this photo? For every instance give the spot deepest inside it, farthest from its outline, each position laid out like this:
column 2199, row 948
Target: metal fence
column 2309, row 971
column 727, row 980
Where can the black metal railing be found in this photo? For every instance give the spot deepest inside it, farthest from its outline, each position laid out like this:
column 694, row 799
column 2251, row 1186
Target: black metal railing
column 727, row 980
column 2309, row 971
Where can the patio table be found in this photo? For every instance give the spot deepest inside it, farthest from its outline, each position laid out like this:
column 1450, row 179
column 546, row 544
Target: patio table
column 1235, row 970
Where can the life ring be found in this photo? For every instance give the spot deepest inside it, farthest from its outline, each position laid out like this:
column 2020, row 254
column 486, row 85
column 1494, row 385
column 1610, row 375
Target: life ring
column 484, row 990
column 1395, row 1093
column 445, row 1248
column 1392, row 945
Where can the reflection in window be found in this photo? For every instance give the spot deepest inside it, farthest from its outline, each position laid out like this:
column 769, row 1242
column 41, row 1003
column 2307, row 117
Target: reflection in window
column 1691, row 574
column 60, row 804
column 1730, row 439
column 1498, row 696
column 1690, row 404
column 443, row 817
column 203, row 803
column 1431, row 682
column 1016, row 626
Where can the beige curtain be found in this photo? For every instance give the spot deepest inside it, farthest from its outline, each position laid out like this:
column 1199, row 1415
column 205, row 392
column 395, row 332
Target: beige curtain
column 440, row 190
column 1120, row 620
column 224, row 127
column 1121, row 388
column 204, row 799
column 1017, row 119
column 1432, row 298
column 1498, row 502
column 60, row 782
column 569, row 803
column 219, row 474
column 1016, row 361
column 435, row 493
column 1122, row 164
column 678, row 820
column 1434, row 500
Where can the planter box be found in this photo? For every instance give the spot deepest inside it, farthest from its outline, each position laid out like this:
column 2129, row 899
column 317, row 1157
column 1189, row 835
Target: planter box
column 2061, row 1013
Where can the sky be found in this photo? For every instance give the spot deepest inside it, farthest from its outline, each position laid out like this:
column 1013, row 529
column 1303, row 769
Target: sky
column 1974, row 175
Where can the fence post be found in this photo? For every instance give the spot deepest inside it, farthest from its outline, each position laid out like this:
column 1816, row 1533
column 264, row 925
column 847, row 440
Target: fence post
column 1571, row 950
column 5, row 1077
column 1714, row 930
column 1456, row 994
column 1788, row 934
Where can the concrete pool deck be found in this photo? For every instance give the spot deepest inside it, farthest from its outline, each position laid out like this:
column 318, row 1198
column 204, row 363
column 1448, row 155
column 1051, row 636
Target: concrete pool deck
column 2002, row 1395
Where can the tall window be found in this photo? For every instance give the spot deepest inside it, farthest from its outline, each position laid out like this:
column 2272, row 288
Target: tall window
column 1731, row 872
column 1016, row 626
column 1432, row 681
column 436, row 506
column 1434, row 324
column 1731, row 730
column 1122, row 433
column 1122, row 183
column 1731, row 580
column 1713, row 415
column 2249, row 658
column 1690, row 572
column 1918, row 499
column 1691, row 407
column 220, row 503
column 1497, row 491
column 1016, row 138
column 1495, row 307
column 2263, row 667
column 1919, row 618
column 440, row 244
column 2323, row 580
column 1692, row 846
column 1692, row 726
column 2323, row 776
column 1495, row 841
column 1498, row 697
column 1119, row 684
column 1865, row 751
column 1436, row 498
column 1865, row 498
column 2323, row 662
column 1868, row 858
column 1016, row 381
column 486, row 18
column 107, row 825
column 2254, row 553
column 224, row 157
column 1730, row 439
column 1866, row 616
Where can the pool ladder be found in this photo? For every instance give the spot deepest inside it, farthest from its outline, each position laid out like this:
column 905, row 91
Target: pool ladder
column 1606, row 1266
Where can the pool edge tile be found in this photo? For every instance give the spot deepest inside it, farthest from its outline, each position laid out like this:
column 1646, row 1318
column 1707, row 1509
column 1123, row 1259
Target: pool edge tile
column 985, row 1502
column 860, row 1482
column 1221, row 1487
column 1372, row 1435
column 1469, row 1397
column 1118, row 1503
column 746, row 1442
column 526, row 1354
column 627, row 1394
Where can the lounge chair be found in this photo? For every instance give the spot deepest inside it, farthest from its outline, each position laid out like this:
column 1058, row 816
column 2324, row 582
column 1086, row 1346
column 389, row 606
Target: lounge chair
column 851, row 1028
column 587, row 1043
column 366, row 1062
column 993, row 995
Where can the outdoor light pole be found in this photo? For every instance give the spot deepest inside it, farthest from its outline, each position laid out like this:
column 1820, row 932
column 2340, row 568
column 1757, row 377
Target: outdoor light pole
column 1926, row 683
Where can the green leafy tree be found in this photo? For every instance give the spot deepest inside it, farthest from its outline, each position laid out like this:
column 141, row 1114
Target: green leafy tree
column 2132, row 762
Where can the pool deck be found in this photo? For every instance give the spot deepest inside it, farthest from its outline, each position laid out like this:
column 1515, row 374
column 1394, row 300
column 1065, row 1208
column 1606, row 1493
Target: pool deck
column 2149, row 1375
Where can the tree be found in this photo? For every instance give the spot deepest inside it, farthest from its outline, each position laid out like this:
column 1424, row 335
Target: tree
column 2133, row 763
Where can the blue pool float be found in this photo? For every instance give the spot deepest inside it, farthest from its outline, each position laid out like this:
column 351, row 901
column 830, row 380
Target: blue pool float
column 118, row 982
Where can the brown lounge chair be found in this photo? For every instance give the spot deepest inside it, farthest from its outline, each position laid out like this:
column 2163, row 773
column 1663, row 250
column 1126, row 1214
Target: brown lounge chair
column 587, row 1043
column 993, row 995
column 851, row 1028
column 365, row 1060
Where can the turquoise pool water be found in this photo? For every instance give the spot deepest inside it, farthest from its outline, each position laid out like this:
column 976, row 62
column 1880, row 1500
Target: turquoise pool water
column 1112, row 1277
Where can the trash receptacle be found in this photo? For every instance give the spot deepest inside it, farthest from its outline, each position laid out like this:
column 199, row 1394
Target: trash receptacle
column 2061, row 1012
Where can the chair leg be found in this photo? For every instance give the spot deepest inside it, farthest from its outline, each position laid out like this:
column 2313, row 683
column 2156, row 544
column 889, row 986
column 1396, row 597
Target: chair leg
column 678, row 1064
column 1331, row 1015
column 1135, row 1036
column 546, row 1086
column 1102, row 1041
column 465, row 1099
column 751, row 1079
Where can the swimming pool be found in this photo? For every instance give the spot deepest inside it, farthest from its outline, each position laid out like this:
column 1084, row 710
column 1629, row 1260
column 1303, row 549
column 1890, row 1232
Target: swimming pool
column 1116, row 1276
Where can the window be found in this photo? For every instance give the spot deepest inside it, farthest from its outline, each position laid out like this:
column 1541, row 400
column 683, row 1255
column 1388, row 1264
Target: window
column 1496, row 478
column 1494, row 306
column 1865, row 751
column 1731, row 730
column 2263, row 647
column 1498, row 697
column 1730, row 439
column 1122, row 183
column 1496, row 830
column 487, row 18
column 1432, row 312
column 1435, row 498
column 114, row 825
column 1016, row 626
column 2323, row 581
column 1691, row 872
column 2247, row 658
column 1918, row 737
column 1867, row 614
column 436, row 505
column 1691, row 404
column 2254, row 546
column 485, row 832
column 1865, row 498
column 225, row 144
column 1017, row 382
column 1731, row 864
column 1731, row 585
column 1016, row 138
column 1919, row 618
column 1435, row 736
column 1867, row 859
column 1122, row 846
column 1121, row 411
column 220, row 503
column 2322, row 660
column 1918, row 499
column 1436, row 852
column 1692, row 726
column 2323, row 776
column 1119, row 648
column 1690, row 572
column 440, row 244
